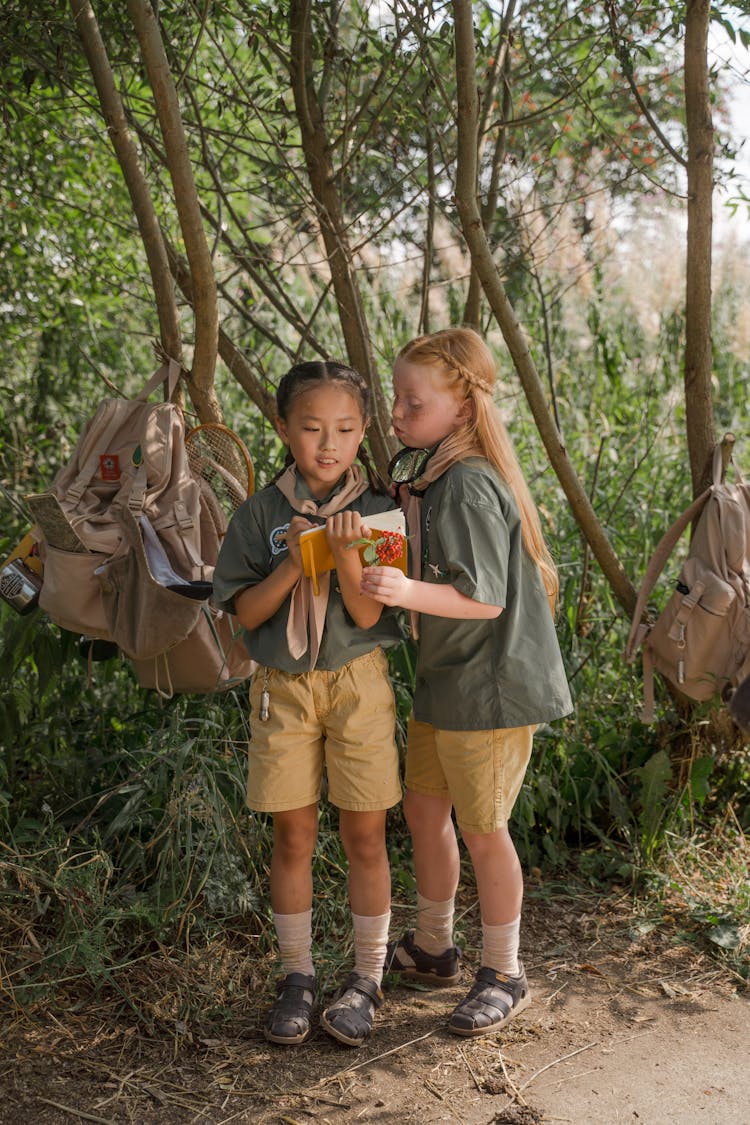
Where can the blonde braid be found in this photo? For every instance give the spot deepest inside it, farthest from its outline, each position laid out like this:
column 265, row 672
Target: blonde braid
column 463, row 372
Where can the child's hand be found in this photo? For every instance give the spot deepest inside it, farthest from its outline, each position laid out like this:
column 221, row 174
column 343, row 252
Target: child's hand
column 342, row 529
column 387, row 584
column 297, row 525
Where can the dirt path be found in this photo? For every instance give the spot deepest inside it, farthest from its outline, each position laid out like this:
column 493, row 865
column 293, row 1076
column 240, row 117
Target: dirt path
column 626, row 1026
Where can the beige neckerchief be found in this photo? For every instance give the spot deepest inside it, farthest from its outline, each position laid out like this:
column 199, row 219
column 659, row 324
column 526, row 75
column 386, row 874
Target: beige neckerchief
column 307, row 611
column 456, row 447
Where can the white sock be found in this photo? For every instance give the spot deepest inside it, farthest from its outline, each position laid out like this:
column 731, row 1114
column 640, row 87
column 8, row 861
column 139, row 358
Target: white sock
column 294, row 933
column 370, row 941
column 434, row 929
column 500, row 947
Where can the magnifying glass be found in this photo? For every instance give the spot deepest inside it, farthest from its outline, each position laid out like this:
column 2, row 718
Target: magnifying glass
column 409, row 464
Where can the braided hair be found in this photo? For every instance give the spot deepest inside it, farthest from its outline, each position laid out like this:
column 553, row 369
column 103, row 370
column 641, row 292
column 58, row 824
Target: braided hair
column 306, row 376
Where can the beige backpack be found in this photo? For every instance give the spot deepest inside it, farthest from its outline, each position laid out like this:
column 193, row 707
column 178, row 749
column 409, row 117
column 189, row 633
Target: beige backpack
column 701, row 640
column 129, row 537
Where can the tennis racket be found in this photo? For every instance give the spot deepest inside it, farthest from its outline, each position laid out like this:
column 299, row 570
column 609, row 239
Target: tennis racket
column 220, row 457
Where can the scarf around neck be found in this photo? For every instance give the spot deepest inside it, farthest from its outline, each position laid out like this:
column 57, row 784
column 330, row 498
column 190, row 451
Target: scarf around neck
column 307, row 611
column 456, row 447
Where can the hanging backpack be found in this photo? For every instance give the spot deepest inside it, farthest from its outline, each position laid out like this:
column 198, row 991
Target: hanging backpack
column 129, row 536
column 701, row 640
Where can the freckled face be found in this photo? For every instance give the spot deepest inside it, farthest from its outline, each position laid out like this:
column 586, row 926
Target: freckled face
column 324, row 430
column 425, row 410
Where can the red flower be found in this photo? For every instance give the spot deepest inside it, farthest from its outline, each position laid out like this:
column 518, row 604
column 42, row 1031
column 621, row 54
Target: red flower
column 389, row 547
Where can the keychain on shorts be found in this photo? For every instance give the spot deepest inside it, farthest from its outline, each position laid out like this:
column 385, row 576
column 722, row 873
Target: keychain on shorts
column 265, row 699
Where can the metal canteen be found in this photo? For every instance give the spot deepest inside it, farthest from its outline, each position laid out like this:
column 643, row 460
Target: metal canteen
column 19, row 586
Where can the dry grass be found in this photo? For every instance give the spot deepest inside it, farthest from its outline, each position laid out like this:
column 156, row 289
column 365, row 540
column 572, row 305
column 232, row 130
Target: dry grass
column 174, row 1037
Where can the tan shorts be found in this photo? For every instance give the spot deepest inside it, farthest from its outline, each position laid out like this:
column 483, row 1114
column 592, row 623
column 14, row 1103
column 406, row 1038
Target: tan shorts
column 480, row 770
column 344, row 719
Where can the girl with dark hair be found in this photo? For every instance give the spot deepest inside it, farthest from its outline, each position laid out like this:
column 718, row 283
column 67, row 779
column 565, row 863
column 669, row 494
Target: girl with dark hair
column 321, row 695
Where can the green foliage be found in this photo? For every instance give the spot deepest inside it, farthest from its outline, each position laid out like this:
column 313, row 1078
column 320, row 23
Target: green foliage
column 123, row 819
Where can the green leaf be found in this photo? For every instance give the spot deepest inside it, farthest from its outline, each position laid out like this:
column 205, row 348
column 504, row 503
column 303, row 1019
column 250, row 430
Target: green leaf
column 724, row 935
column 699, row 779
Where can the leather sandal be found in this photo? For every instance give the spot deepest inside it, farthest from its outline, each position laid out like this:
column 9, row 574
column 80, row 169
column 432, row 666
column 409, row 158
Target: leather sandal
column 349, row 1019
column 441, row 970
column 288, row 1018
column 492, row 1001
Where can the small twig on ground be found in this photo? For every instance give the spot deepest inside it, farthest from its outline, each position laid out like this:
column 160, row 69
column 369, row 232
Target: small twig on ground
column 516, row 1092
column 542, row 1069
column 77, row 1112
column 433, row 1089
column 470, row 1069
column 554, row 1062
column 557, row 992
column 578, row 1074
column 358, row 1066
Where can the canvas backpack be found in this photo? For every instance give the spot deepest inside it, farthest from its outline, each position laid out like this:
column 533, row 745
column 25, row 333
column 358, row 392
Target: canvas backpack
column 700, row 641
column 129, row 537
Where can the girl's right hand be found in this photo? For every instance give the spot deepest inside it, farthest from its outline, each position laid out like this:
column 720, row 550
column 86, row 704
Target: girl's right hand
column 387, row 585
column 297, row 525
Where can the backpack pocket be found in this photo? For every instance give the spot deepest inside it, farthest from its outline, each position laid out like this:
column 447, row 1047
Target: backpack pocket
column 212, row 658
column 144, row 616
column 693, row 642
column 71, row 594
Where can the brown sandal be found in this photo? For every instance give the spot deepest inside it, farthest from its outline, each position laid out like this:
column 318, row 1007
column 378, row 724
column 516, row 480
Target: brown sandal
column 288, row 1019
column 349, row 1019
column 492, row 1001
column 441, row 970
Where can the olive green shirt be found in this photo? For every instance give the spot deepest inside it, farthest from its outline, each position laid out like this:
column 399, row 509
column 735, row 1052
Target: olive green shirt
column 484, row 675
column 254, row 546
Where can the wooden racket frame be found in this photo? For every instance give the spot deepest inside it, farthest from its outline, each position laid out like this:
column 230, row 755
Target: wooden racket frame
column 219, row 427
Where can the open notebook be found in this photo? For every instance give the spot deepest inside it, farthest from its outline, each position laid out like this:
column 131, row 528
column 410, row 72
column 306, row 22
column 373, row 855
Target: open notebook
column 316, row 554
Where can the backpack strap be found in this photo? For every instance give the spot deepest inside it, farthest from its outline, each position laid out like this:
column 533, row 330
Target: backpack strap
column 639, row 629
column 168, row 373
column 664, row 548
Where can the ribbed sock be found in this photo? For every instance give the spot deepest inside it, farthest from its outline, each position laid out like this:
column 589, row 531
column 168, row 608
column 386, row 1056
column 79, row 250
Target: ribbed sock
column 294, row 933
column 434, row 929
column 500, row 947
column 370, row 941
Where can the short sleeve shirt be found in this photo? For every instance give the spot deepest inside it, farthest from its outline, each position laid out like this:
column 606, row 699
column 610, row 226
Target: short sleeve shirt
column 254, row 546
column 484, row 675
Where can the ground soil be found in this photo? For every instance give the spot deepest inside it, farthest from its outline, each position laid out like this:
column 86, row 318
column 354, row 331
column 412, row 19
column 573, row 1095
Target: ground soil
column 630, row 1023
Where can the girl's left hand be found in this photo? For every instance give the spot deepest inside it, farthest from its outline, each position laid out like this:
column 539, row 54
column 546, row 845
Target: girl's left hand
column 386, row 584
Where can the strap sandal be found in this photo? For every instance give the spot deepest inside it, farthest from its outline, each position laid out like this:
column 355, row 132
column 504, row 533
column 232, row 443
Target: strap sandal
column 441, row 970
column 492, row 1001
column 288, row 1018
column 349, row 1018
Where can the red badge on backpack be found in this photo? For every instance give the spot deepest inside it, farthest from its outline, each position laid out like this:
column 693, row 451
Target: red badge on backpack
column 109, row 465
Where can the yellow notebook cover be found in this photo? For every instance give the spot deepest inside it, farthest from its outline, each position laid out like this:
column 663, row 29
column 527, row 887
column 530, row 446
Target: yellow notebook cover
column 23, row 552
column 316, row 554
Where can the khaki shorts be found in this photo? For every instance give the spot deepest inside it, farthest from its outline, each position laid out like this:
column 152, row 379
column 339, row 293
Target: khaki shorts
column 344, row 719
column 480, row 770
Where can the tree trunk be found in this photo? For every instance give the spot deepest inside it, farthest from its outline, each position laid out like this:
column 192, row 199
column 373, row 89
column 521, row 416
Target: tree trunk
column 701, row 434
column 483, row 263
column 135, row 181
column 472, row 308
column 235, row 361
column 322, row 177
column 201, row 381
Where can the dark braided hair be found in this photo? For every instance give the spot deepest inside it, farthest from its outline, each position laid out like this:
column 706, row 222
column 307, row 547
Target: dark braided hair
column 304, row 377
